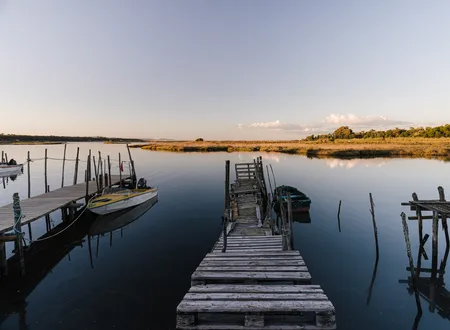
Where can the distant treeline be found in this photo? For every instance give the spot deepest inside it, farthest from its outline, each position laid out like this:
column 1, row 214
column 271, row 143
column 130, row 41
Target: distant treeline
column 11, row 138
column 344, row 132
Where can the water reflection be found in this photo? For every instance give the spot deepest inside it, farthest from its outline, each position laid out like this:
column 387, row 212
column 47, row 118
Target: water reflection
column 41, row 257
column 428, row 283
column 109, row 223
column 351, row 163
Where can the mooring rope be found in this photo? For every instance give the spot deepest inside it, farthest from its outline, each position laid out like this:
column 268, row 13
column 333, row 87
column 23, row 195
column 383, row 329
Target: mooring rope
column 56, row 234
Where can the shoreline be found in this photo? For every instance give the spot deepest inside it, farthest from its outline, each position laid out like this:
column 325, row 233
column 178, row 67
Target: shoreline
column 344, row 149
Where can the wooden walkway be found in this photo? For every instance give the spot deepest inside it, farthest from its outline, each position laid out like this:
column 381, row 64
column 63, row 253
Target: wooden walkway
column 38, row 206
column 254, row 284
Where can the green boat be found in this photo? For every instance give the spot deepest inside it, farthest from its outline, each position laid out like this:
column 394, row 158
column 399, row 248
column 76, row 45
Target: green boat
column 300, row 202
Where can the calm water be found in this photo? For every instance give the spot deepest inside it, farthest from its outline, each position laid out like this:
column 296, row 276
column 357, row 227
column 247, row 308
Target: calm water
column 141, row 273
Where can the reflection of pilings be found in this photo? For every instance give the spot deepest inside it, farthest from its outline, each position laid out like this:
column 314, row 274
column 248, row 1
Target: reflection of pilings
column 419, row 311
column 377, row 254
column 90, row 251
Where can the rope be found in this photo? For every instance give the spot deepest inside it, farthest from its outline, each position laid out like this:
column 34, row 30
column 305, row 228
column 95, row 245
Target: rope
column 61, row 231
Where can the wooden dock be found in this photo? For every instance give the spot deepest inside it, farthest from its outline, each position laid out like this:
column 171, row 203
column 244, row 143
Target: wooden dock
column 252, row 279
column 38, row 206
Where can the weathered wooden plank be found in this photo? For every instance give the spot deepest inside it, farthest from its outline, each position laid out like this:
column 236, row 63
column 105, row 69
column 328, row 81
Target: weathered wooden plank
column 227, row 326
column 251, row 259
column 231, row 250
column 265, row 262
column 256, row 288
column 294, row 276
column 255, row 245
column 252, row 268
column 230, row 306
column 255, row 296
column 255, row 254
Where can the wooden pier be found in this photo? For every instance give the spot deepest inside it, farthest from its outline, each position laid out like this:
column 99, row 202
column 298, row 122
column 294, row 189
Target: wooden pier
column 252, row 279
column 38, row 206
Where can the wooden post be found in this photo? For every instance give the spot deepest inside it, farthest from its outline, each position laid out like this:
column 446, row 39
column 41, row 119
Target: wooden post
column 442, row 199
column 3, row 260
column 339, row 216
column 291, row 232
column 6, row 158
column 408, row 247
column 273, row 174
column 375, row 230
column 96, row 174
column 100, row 170
column 45, row 170
column 63, row 165
column 87, row 176
column 18, row 231
column 227, row 184
column 30, row 234
column 3, row 155
column 434, row 237
column 75, row 175
column 132, row 164
column 109, row 172
column 224, row 241
column 28, row 173
column 268, row 177
column 120, row 171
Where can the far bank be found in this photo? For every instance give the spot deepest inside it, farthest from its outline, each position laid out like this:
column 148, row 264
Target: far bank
column 365, row 148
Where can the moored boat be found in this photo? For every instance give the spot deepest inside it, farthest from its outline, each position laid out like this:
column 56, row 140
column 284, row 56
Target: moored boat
column 10, row 168
column 117, row 199
column 300, row 202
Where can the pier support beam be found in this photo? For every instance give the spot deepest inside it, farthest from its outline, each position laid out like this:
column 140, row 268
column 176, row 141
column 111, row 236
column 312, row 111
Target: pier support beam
column 18, row 231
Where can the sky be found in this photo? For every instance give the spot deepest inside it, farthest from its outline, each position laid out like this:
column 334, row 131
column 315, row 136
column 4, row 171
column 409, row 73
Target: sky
column 227, row 70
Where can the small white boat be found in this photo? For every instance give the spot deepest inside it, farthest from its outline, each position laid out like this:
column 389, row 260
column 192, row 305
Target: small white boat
column 117, row 199
column 9, row 170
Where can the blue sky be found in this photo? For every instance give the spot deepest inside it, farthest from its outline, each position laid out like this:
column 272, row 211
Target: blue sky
column 231, row 69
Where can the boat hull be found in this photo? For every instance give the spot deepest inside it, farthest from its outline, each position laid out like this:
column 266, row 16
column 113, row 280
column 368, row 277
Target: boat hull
column 9, row 170
column 124, row 203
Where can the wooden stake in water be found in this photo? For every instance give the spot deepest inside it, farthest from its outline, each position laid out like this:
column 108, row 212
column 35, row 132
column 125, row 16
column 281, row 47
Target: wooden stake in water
column 18, row 231
column 339, row 216
column 45, row 170
column 109, row 172
column 28, row 173
column 63, row 165
column 75, row 175
column 291, row 231
column 408, row 247
column 132, row 163
column 96, row 174
column 227, row 185
column 120, row 171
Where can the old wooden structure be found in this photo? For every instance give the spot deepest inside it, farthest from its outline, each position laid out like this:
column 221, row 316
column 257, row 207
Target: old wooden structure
column 252, row 278
column 25, row 211
column 429, row 282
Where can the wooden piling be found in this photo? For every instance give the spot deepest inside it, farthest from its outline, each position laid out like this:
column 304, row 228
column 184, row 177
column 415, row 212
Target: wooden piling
column 408, row 247
column 63, row 165
column 6, row 158
column 132, row 163
column 45, row 170
column 339, row 216
column 18, row 231
column 75, row 175
column 434, row 237
column 120, row 171
column 3, row 157
column 28, row 173
column 224, row 233
column 3, row 259
column 291, row 231
column 100, row 170
column 96, row 174
column 109, row 172
column 273, row 174
column 227, row 185
column 87, row 176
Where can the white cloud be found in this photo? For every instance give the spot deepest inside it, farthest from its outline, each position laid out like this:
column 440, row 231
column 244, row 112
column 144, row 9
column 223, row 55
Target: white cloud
column 330, row 123
column 240, row 126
